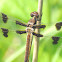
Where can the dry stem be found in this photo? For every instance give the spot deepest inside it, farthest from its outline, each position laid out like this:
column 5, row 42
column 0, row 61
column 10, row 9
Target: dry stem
column 36, row 43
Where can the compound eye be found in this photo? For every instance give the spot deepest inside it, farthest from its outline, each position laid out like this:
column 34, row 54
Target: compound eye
column 34, row 14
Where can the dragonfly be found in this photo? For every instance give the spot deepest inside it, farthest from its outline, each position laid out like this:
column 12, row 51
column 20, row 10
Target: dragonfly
column 30, row 30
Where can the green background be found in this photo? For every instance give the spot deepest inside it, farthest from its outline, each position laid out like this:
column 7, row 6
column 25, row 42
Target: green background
column 12, row 49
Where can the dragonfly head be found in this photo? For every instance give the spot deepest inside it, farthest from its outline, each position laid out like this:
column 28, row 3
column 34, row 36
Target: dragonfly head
column 34, row 14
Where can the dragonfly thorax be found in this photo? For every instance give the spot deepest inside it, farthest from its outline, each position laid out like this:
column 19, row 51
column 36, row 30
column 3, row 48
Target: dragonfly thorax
column 29, row 29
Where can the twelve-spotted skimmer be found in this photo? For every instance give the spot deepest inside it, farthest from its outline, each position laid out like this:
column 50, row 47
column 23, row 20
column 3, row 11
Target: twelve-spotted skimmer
column 31, row 25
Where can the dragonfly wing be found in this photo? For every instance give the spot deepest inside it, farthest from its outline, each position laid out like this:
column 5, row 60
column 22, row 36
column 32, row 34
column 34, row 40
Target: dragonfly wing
column 7, row 19
column 38, row 35
column 58, row 25
column 39, row 26
column 52, row 39
column 5, row 31
column 20, row 32
column 20, row 23
column 4, row 17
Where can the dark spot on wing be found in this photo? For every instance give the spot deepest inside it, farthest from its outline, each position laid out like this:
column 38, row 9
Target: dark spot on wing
column 55, row 40
column 38, row 35
column 20, row 23
column 58, row 25
column 5, row 32
column 4, row 17
column 39, row 26
column 20, row 32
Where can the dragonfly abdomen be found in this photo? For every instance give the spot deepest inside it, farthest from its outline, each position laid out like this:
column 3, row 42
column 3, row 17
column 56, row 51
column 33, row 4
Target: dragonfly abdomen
column 28, row 47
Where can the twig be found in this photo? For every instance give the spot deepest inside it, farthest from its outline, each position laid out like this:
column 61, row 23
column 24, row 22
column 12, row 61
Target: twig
column 36, row 43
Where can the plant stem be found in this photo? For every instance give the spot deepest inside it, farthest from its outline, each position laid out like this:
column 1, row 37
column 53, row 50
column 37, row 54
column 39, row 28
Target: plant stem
column 36, row 43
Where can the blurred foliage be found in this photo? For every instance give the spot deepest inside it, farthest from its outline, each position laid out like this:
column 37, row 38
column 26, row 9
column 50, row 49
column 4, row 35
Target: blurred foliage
column 12, row 49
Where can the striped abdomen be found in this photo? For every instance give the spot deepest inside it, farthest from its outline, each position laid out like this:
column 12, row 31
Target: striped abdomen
column 28, row 46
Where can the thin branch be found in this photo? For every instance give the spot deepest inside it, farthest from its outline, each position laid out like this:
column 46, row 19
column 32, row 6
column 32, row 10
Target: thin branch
column 36, row 43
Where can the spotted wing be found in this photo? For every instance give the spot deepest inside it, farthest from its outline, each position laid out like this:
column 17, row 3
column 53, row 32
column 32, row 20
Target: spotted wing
column 51, row 39
column 5, row 31
column 6, row 19
column 58, row 25
column 8, row 24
